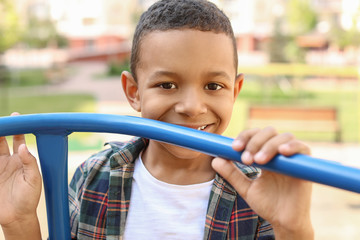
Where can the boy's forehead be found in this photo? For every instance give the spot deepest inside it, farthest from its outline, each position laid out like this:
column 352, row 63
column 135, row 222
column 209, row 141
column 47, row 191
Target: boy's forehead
column 182, row 38
column 176, row 49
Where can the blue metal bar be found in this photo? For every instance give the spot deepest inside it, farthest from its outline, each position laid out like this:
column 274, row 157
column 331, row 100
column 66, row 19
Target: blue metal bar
column 300, row 166
column 53, row 153
column 48, row 127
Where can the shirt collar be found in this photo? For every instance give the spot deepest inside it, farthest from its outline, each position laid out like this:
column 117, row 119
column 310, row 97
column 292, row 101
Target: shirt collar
column 125, row 153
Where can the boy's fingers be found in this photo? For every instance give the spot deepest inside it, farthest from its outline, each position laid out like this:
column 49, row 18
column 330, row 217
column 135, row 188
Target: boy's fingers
column 294, row 146
column 246, row 135
column 4, row 147
column 18, row 139
column 256, row 142
column 259, row 139
column 30, row 166
column 243, row 138
column 271, row 148
column 25, row 155
column 232, row 174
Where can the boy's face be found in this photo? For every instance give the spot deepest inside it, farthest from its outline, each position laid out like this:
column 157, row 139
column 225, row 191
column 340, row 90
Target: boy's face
column 185, row 77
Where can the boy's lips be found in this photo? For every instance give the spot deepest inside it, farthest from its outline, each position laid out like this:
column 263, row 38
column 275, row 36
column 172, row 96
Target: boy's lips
column 201, row 127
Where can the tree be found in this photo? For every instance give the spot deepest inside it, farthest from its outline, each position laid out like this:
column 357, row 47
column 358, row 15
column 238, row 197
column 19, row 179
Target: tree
column 9, row 25
column 9, row 35
column 301, row 19
column 300, row 16
column 276, row 44
column 40, row 31
column 344, row 38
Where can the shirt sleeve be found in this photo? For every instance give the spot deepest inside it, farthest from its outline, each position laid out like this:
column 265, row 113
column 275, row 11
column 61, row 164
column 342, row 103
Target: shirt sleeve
column 75, row 194
column 265, row 230
column 250, row 171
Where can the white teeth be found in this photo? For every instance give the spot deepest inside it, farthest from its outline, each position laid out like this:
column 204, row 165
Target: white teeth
column 202, row 127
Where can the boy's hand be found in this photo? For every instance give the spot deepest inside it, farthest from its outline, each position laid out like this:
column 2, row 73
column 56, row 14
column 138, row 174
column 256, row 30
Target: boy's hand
column 20, row 187
column 282, row 200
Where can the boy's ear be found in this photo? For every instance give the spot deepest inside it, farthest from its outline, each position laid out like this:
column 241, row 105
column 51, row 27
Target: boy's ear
column 238, row 84
column 131, row 90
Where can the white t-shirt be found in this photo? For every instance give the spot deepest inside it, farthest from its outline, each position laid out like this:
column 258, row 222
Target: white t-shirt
column 159, row 210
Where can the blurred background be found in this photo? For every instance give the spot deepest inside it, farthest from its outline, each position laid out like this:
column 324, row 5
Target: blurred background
column 300, row 58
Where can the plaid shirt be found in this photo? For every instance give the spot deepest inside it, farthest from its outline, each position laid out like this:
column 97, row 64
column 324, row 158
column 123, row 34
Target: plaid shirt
column 99, row 198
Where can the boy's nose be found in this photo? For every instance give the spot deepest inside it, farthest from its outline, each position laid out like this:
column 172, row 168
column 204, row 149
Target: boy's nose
column 191, row 104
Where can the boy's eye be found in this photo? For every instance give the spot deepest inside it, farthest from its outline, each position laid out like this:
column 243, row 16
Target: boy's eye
column 213, row 86
column 167, row 85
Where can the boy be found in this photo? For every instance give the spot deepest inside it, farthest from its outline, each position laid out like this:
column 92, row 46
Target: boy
column 184, row 71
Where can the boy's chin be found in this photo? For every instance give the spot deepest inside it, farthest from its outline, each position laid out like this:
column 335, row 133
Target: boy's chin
column 183, row 153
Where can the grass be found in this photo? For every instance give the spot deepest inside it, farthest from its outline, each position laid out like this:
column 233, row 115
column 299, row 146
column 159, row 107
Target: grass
column 55, row 103
column 47, row 103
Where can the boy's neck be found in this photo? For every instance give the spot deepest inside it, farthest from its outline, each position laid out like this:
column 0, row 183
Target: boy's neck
column 167, row 167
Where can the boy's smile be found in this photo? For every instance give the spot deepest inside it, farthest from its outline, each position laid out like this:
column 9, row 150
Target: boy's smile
column 185, row 77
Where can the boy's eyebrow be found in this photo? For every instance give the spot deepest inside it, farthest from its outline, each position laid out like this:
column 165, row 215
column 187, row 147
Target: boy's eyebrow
column 221, row 74
column 162, row 73
column 213, row 74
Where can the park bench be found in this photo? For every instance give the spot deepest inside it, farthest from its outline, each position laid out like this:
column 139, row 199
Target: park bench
column 295, row 119
column 52, row 130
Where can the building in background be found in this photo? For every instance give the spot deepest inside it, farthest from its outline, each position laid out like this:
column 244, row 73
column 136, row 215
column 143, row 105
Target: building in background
column 102, row 30
column 96, row 29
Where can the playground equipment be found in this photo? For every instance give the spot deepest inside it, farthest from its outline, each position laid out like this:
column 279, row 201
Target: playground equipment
column 52, row 130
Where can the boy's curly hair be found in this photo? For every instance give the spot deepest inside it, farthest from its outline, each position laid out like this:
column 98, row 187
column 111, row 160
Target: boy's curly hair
column 166, row 15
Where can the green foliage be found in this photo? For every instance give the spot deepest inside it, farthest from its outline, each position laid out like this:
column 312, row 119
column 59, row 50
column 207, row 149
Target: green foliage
column 293, row 52
column 41, row 33
column 301, row 17
column 28, row 77
column 276, row 44
column 115, row 68
column 4, row 76
column 4, row 81
column 344, row 38
column 9, row 26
